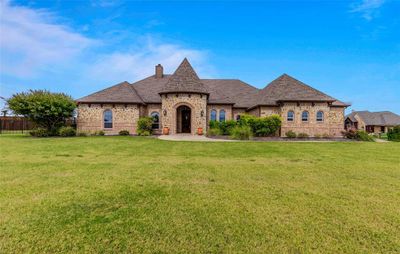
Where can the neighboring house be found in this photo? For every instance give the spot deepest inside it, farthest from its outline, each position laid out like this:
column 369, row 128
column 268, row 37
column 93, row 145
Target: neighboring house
column 183, row 103
column 371, row 122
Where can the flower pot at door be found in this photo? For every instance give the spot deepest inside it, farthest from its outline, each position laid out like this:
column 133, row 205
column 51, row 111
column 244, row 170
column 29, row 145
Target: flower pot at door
column 200, row 131
column 166, row 131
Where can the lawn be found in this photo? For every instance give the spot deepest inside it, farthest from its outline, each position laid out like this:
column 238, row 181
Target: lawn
column 143, row 195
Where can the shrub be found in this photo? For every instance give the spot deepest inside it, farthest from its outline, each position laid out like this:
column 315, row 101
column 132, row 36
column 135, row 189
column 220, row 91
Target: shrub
column 227, row 126
column 291, row 134
column 67, row 131
column 144, row 126
column 326, row 135
column 302, row 135
column 124, row 133
column 82, row 134
column 213, row 124
column 317, row 136
column 363, row 136
column 99, row 133
column 214, row 132
column 47, row 110
column 350, row 134
column 241, row 132
column 394, row 133
column 261, row 126
column 39, row 132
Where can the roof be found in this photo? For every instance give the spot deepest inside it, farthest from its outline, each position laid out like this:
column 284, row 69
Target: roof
column 184, row 79
column 383, row 118
column 220, row 91
column 119, row 93
column 287, row 88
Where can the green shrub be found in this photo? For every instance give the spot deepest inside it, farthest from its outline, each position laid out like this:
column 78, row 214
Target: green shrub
column 82, row 134
column 350, row 134
column 394, row 133
column 363, row 136
column 261, row 126
column 317, row 136
column 241, row 132
column 144, row 133
column 291, row 134
column 213, row 132
column 144, row 126
column 99, row 133
column 67, row 131
column 213, row 124
column 227, row 126
column 124, row 133
column 39, row 132
column 302, row 135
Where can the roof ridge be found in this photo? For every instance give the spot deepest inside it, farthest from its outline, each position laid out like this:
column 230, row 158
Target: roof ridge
column 304, row 84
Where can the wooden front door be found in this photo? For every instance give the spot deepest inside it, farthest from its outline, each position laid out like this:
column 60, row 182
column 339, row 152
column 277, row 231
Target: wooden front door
column 186, row 115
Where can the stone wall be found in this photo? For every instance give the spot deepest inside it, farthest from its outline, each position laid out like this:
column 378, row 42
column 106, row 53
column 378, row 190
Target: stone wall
column 332, row 124
column 237, row 111
column 196, row 102
column 90, row 118
column 267, row 111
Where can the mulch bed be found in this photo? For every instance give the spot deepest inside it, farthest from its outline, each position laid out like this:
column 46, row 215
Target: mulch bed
column 288, row 139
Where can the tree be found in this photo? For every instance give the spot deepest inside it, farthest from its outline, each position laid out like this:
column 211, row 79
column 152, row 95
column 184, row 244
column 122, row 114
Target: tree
column 46, row 109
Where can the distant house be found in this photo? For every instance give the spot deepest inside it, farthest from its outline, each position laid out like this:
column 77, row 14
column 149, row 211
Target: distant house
column 183, row 103
column 371, row 122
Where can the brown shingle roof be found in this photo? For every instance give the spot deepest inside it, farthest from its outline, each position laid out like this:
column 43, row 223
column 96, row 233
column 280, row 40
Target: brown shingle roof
column 287, row 88
column 384, row 118
column 184, row 79
column 119, row 93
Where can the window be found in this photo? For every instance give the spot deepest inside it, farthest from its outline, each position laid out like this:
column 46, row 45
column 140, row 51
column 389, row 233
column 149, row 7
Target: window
column 156, row 120
column 108, row 119
column 213, row 115
column 290, row 116
column 320, row 116
column 304, row 116
column 238, row 118
column 222, row 115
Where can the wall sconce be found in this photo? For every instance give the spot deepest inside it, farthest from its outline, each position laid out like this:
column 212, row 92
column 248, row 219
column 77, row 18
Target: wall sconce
column 202, row 113
column 164, row 112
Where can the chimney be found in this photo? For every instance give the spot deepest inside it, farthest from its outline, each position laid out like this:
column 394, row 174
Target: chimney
column 159, row 71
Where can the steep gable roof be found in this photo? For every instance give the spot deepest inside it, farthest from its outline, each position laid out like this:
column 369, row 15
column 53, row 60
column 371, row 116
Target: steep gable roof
column 184, row 79
column 383, row 118
column 119, row 93
column 287, row 88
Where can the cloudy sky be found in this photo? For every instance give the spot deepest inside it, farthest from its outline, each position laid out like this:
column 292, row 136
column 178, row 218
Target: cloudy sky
column 348, row 49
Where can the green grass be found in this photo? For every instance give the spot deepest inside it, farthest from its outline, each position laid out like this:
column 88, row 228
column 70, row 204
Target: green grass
column 124, row 194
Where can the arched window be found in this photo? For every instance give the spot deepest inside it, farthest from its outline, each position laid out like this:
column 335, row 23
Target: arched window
column 156, row 120
column 290, row 116
column 304, row 116
column 222, row 115
column 320, row 116
column 213, row 115
column 108, row 119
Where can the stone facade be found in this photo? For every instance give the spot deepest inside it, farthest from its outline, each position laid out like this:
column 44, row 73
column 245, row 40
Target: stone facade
column 91, row 117
column 197, row 104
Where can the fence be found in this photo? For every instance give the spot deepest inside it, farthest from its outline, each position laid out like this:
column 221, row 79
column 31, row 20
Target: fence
column 15, row 125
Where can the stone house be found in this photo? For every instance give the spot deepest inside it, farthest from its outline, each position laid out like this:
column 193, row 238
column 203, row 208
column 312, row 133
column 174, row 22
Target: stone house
column 371, row 122
column 183, row 102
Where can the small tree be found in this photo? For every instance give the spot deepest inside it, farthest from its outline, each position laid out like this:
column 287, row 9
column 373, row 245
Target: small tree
column 46, row 109
column 394, row 133
column 144, row 126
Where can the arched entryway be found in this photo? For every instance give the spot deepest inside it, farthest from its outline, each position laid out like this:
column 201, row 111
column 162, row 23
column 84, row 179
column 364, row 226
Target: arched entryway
column 183, row 119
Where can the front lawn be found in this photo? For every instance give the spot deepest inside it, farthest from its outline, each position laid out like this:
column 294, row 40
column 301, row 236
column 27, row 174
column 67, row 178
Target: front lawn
column 125, row 194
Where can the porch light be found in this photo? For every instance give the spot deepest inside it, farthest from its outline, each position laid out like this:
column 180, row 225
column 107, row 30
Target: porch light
column 202, row 113
column 164, row 112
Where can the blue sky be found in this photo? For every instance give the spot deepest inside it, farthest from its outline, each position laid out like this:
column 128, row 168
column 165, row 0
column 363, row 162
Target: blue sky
column 347, row 49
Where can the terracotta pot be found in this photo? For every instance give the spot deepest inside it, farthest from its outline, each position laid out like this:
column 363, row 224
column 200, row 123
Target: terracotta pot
column 200, row 131
column 166, row 131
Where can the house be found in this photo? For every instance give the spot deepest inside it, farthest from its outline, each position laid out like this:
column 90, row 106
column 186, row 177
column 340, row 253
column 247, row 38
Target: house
column 183, row 102
column 371, row 122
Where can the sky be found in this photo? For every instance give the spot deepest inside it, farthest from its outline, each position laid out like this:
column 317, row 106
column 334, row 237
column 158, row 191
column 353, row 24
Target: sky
column 347, row 49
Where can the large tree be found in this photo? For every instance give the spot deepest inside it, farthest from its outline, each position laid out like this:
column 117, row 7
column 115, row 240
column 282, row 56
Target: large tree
column 46, row 109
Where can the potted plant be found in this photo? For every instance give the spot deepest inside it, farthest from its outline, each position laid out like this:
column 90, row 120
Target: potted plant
column 166, row 130
column 200, row 131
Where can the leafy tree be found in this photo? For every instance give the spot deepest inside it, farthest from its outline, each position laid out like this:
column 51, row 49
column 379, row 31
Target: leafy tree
column 48, row 110
column 394, row 133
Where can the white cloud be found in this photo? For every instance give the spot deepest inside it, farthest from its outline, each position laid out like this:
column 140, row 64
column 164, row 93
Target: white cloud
column 139, row 61
column 367, row 8
column 30, row 40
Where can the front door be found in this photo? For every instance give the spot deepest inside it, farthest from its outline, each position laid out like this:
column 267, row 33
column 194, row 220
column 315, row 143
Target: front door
column 185, row 120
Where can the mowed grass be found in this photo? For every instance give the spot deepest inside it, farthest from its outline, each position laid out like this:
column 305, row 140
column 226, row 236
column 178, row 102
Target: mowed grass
column 143, row 195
